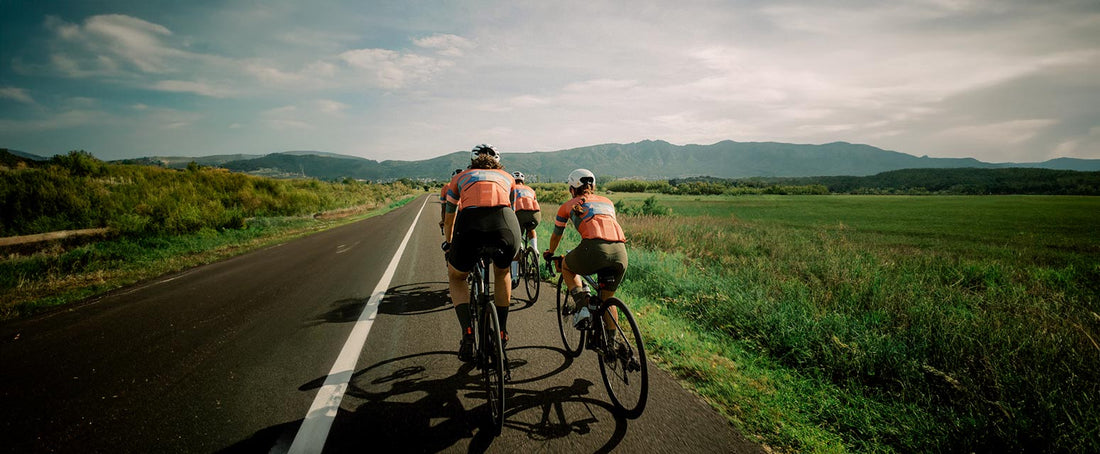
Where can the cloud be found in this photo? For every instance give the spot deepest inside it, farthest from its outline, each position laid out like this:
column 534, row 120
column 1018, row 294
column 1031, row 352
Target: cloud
column 111, row 45
column 58, row 121
column 329, row 106
column 16, row 94
column 449, row 45
column 391, row 69
column 1008, row 132
column 199, row 88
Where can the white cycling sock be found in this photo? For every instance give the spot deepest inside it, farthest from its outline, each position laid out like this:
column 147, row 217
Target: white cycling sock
column 535, row 244
column 515, row 270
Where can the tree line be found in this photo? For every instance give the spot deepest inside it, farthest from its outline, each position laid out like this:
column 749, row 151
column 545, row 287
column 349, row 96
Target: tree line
column 963, row 181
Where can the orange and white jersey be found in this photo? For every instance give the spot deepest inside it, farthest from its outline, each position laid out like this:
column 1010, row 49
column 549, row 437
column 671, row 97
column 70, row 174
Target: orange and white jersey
column 480, row 188
column 523, row 198
column 594, row 217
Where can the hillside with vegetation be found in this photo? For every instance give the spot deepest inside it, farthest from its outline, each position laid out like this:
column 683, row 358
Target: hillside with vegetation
column 153, row 216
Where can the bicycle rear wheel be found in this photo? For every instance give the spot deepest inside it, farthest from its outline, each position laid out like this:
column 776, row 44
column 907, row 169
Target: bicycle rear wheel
column 492, row 354
column 624, row 370
column 571, row 338
column 531, row 275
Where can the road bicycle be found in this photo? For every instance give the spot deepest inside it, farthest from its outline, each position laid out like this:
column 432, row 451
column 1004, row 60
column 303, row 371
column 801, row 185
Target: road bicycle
column 529, row 266
column 622, row 359
column 489, row 354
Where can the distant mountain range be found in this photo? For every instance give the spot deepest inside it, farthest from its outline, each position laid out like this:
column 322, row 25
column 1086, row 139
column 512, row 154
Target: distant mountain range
column 647, row 160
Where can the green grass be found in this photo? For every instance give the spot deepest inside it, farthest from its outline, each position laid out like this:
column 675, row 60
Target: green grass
column 57, row 276
column 879, row 323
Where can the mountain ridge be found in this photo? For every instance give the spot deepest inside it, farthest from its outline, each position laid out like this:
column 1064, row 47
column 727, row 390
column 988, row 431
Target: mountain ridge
column 647, row 159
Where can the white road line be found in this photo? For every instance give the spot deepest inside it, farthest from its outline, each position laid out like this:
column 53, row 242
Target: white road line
column 314, row 431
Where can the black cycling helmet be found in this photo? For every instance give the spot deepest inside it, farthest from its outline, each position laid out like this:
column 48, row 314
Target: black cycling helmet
column 456, row 172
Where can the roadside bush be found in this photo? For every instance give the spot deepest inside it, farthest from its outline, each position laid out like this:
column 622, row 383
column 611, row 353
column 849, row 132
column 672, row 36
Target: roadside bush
column 649, row 207
column 550, row 194
column 77, row 191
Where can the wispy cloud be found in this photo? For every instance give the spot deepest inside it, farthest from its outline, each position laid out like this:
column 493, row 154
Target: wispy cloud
column 392, row 69
column 446, row 44
column 16, row 94
column 199, row 88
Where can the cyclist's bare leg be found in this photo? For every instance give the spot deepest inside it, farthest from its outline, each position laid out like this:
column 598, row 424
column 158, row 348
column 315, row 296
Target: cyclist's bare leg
column 502, row 287
column 456, row 280
column 572, row 280
column 502, row 294
column 612, row 314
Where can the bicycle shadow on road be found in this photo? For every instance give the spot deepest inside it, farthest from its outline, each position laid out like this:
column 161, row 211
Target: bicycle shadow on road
column 416, row 299
column 424, row 403
column 409, row 299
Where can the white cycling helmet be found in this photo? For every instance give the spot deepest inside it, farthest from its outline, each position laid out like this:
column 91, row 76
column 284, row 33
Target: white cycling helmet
column 518, row 176
column 485, row 149
column 581, row 177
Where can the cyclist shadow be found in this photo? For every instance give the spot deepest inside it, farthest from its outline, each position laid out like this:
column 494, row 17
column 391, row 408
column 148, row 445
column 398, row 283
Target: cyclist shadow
column 553, row 417
column 406, row 404
column 409, row 299
column 546, row 414
column 416, row 299
column 415, row 403
column 419, row 403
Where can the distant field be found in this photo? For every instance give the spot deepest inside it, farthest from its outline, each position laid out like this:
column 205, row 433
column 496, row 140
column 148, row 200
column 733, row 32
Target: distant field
column 880, row 323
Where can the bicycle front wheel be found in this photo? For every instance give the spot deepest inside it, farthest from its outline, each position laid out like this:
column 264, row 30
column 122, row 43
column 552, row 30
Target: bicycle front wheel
column 492, row 352
column 571, row 338
column 623, row 367
column 531, row 274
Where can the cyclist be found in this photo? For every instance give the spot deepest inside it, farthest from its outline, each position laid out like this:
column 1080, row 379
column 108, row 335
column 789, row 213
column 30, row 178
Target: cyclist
column 527, row 212
column 443, row 199
column 603, row 244
column 479, row 213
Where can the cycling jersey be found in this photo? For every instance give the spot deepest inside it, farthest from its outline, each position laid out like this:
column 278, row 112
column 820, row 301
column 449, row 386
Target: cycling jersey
column 480, row 188
column 524, row 198
column 594, row 217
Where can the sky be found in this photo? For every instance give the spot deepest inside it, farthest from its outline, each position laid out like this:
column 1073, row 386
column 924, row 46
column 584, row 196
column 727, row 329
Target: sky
column 1000, row 81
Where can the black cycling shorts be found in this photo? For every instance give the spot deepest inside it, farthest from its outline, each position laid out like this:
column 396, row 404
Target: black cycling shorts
column 528, row 219
column 494, row 227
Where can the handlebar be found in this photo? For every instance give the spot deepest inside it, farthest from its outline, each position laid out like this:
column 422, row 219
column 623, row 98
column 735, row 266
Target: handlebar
column 553, row 265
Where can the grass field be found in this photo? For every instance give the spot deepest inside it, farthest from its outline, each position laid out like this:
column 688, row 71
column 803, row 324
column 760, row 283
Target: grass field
column 879, row 323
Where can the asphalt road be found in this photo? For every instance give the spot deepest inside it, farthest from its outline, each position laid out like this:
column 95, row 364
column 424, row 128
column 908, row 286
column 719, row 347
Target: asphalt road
column 229, row 357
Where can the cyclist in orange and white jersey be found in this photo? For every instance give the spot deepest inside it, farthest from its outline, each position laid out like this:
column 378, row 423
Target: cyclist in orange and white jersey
column 526, row 204
column 479, row 213
column 603, row 244
column 443, row 200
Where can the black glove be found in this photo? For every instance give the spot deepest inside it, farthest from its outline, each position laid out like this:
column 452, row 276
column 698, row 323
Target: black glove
column 446, row 246
column 547, row 255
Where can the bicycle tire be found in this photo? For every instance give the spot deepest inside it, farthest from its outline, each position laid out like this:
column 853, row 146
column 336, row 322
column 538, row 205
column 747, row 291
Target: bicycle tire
column 625, row 373
column 571, row 338
column 531, row 275
column 493, row 372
